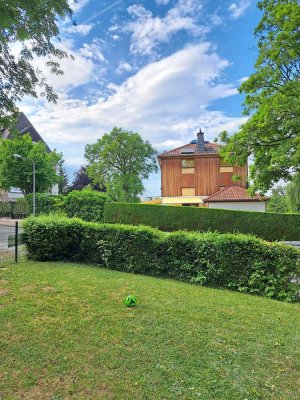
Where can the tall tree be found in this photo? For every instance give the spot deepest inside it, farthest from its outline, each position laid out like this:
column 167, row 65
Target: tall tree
column 272, row 132
column 82, row 180
column 120, row 160
column 33, row 24
column 15, row 172
column 293, row 194
column 63, row 182
column 277, row 202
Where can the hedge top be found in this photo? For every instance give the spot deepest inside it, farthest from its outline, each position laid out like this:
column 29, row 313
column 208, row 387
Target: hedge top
column 269, row 226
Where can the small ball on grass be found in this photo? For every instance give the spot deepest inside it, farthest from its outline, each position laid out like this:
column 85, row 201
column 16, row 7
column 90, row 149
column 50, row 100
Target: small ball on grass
column 130, row 300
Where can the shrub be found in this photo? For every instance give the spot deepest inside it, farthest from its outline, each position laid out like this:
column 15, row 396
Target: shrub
column 86, row 204
column 17, row 209
column 5, row 209
column 45, row 203
column 269, row 226
column 20, row 209
column 238, row 262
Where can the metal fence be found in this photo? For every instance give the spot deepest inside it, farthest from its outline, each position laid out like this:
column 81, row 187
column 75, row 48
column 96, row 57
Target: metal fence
column 11, row 241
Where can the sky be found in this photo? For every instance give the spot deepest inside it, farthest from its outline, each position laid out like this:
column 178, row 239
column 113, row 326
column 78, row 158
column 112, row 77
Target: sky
column 162, row 68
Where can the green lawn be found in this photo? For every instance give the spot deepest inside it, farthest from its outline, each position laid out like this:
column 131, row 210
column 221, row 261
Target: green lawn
column 65, row 334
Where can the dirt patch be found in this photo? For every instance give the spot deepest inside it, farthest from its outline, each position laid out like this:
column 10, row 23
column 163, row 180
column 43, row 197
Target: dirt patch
column 27, row 288
column 3, row 282
column 48, row 289
column 3, row 291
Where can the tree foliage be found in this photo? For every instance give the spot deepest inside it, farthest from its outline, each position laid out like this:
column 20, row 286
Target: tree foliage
column 33, row 24
column 120, row 160
column 19, row 172
column 82, row 180
column 272, row 132
column 277, row 202
column 293, row 194
column 63, row 182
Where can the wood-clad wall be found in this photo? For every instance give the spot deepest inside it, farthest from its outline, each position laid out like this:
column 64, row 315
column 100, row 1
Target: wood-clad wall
column 243, row 173
column 171, row 177
column 206, row 180
column 207, row 175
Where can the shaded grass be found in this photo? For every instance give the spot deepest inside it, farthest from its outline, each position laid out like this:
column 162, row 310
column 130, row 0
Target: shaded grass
column 65, row 334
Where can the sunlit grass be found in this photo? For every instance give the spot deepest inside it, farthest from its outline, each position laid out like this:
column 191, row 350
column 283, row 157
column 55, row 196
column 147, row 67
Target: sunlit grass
column 66, row 333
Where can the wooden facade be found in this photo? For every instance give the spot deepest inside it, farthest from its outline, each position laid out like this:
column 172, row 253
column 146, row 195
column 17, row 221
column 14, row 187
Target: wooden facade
column 207, row 177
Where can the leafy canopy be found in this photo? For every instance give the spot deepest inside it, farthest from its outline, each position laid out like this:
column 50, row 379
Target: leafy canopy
column 82, row 180
column 19, row 172
column 277, row 202
column 63, row 182
column 120, row 160
column 272, row 132
column 33, row 24
column 293, row 194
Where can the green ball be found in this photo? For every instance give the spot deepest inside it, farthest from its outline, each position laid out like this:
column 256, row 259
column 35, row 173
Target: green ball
column 130, row 300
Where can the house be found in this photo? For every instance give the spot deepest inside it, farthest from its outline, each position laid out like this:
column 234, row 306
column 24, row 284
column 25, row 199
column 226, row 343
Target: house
column 23, row 126
column 196, row 175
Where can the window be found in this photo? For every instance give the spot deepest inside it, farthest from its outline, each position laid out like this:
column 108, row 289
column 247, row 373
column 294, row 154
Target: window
column 188, row 191
column 226, row 168
column 188, row 163
column 188, row 170
column 188, row 166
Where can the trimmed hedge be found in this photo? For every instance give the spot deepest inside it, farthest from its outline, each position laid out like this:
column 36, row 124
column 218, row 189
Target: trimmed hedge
column 45, row 203
column 238, row 262
column 6, row 209
column 269, row 226
column 85, row 204
column 17, row 209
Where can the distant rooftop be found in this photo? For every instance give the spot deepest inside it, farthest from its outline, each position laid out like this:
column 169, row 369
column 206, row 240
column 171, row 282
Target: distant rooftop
column 23, row 125
column 233, row 193
column 191, row 148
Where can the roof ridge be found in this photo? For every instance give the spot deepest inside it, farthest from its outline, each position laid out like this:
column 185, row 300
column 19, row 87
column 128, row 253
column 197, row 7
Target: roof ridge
column 219, row 191
column 186, row 145
column 233, row 191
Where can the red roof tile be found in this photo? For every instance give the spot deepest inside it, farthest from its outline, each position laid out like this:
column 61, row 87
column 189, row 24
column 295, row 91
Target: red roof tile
column 233, row 193
column 209, row 148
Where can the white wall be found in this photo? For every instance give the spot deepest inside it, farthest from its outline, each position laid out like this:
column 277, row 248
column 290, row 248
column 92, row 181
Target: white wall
column 240, row 205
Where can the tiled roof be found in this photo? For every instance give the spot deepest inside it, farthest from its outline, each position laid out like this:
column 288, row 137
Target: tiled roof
column 233, row 193
column 23, row 125
column 209, row 148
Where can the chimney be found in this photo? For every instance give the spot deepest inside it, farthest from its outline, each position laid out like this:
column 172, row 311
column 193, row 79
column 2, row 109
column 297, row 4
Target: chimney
column 200, row 142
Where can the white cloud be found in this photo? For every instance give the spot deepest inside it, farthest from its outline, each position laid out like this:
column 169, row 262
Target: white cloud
column 166, row 100
column 93, row 50
column 238, row 9
column 149, row 31
column 123, row 67
column 81, row 29
column 77, row 67
column 77, row 5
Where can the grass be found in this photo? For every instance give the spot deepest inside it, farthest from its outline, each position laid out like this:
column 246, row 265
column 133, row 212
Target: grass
column 65, row 334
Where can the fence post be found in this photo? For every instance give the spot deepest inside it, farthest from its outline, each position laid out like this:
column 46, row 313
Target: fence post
column 16, row 240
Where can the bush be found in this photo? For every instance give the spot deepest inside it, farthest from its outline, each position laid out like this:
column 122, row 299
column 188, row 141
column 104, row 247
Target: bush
column 86, row 204
column 269, row 226
column 20, row 209
column 17, row 209
column 238, row 262
column 5, row 209
column 45, row 203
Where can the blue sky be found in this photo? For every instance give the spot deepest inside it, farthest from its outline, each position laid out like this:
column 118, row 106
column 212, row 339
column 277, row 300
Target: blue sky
column 162, row 68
